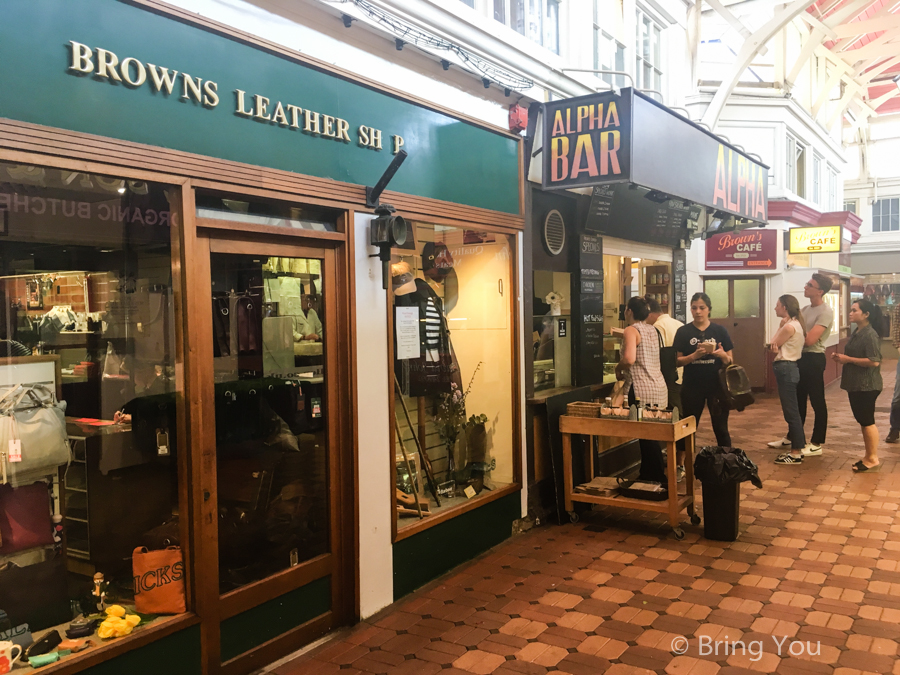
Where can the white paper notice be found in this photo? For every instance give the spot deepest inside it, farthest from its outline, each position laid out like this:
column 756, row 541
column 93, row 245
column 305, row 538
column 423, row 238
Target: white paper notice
column 407, row 331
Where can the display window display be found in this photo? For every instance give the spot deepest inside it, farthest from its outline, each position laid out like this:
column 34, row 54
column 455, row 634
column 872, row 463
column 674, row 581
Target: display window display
column 552, row 330
column 452, row 299
column 90, row 518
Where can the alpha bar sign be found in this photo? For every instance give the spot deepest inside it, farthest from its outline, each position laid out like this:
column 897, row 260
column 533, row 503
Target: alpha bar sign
column 628, row 137
column 825, row 239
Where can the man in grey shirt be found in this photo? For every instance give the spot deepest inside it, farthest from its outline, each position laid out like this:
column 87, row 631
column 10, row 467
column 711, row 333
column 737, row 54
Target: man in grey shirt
column 818, row 319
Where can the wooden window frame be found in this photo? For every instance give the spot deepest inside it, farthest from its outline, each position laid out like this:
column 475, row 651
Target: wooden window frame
column 398, row 534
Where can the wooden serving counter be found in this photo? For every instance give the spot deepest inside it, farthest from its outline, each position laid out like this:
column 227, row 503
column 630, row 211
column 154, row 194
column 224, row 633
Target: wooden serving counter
column 654, row 431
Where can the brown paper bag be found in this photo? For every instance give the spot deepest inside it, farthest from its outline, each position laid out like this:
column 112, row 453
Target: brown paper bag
column 158, row 580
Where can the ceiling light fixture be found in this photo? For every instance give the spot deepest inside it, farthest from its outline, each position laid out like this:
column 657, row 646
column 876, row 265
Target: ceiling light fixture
column 897, row 81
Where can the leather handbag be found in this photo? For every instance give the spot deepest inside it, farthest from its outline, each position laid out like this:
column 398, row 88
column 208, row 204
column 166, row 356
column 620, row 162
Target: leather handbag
column 36, row 594
column 33, row 439
column 25, row 517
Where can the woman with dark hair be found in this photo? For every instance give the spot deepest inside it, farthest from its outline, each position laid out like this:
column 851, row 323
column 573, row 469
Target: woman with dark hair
column 639, row 368
column 787, row 346
column 704, row 348
column 861, row 376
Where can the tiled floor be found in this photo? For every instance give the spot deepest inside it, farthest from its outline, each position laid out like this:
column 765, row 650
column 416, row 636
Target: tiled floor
column 811, row 586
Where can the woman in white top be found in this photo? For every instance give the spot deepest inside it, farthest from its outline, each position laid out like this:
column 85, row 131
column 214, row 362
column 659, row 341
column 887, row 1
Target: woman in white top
column 788, row 346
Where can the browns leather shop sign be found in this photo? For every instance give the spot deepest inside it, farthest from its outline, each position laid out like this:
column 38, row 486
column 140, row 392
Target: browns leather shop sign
column 609, row 138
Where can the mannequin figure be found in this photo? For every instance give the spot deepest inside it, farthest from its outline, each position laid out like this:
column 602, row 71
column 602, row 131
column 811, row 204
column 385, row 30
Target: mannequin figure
column 429, row 374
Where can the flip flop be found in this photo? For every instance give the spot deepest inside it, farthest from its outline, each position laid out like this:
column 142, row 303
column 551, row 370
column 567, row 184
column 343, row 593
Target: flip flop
column 859, row 467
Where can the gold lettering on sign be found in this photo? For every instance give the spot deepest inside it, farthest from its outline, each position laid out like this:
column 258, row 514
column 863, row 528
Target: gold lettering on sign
column 210, row 94
column 278, row 116
column 191, row 88
column 240, row 104
column 106, row 64
column 343, row 128
column 81, row 58
column 140, row 71
column 262, row 104
column 295, row 115
column 161, row 78
column 311, row 122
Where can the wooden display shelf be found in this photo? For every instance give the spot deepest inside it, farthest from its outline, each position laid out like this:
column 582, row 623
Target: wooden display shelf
column 654, row 431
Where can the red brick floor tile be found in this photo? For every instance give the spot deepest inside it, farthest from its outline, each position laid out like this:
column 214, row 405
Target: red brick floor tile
column 818, row 561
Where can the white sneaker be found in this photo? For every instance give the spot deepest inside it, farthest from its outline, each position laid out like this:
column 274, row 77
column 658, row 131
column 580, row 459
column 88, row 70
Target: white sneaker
column 781, row 442
column 811, row 450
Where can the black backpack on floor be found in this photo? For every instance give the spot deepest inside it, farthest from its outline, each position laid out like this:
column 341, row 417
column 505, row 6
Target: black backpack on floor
column 736, row 390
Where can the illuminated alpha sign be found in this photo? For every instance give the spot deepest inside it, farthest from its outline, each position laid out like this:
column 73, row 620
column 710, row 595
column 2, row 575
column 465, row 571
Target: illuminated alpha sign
column 587, row 141
column 825, row 239
column 628, row 137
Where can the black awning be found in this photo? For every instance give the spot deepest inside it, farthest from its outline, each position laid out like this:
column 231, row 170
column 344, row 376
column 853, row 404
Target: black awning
column 657, row 176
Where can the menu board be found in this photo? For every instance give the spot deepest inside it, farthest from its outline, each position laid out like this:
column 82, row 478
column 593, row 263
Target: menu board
column 601, row 208
column 589, row 340
column 633, row 212
column 679, row 284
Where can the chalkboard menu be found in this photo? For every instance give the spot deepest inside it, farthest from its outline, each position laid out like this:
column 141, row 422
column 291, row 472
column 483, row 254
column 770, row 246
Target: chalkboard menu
column 589, row 341
column 679, row 284
column 633, row 212
column 601, row 208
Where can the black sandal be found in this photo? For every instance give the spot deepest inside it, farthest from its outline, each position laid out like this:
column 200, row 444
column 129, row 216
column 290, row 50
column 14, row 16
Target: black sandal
column 859, row 467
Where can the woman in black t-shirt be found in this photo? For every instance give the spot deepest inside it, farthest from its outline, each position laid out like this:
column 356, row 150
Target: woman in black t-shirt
column 703, row 349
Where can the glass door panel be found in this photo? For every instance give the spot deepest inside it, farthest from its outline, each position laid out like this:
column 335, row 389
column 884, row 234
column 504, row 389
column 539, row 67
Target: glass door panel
column 746, row 298
column 270, row 414
column 717, row 290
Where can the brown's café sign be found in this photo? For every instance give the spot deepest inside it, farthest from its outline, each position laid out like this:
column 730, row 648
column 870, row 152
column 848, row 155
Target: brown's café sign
column 629, row 138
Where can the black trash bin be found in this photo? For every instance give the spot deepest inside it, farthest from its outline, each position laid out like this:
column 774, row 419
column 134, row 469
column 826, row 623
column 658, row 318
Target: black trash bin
column 721, row 471
column 721, row 511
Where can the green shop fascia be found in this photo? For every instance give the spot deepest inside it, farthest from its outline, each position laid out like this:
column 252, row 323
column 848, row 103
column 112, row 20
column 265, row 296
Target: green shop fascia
column 142, row 91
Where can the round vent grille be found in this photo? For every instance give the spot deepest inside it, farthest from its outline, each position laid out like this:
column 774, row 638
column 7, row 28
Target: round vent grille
column 554, row 232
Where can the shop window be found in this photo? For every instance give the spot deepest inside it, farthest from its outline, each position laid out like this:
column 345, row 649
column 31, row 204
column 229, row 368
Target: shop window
column 88, row 316
column 271, row 446
column 265, row 212
column 717, row 290
column 453, row 368
column 552, row 330
column 886, row 215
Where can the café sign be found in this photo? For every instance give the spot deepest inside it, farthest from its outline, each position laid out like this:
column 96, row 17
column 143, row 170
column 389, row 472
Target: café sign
column 825, row 239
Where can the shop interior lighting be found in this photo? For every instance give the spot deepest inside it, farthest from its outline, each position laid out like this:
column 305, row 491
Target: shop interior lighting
column 408, row 33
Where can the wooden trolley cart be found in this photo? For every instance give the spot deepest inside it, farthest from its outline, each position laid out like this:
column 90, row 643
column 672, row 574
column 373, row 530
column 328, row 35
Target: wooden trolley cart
column 655, row 431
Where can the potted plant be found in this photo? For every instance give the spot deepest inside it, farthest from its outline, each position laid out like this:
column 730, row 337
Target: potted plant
column 451, row 419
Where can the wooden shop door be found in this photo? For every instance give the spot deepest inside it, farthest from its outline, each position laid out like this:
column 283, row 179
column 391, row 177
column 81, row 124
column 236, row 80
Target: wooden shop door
column 272, row 564
column 739, row 306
